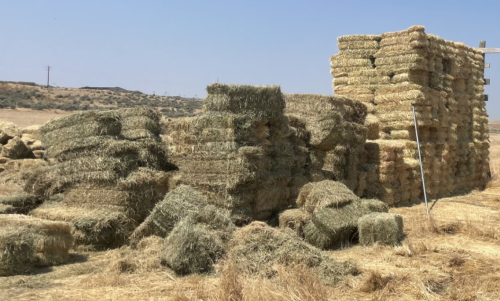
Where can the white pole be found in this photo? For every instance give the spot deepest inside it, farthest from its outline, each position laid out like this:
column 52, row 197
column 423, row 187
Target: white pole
column 420, row 159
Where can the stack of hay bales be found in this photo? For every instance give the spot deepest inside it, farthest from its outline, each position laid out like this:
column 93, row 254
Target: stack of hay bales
column 391, row 176
column 258, row 249
column 332, row 129
column 444, row 80
column 334, row 211
column 27, row 242
column 241, row 153
column 101, row 180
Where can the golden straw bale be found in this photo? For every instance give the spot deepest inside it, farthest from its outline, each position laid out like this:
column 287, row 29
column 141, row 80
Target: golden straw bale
column 28, row 242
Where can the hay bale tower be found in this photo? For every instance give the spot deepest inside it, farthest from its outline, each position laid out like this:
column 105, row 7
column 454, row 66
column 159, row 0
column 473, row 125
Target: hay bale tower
column 444, row 80
column 240, row 154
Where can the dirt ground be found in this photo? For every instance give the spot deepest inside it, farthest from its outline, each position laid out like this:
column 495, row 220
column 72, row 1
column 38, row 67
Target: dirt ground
column 26, row 117
column 453, row 255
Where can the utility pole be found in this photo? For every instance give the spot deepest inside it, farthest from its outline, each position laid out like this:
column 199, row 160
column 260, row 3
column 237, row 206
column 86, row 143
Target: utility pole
column 484, row 50
column 48, row 76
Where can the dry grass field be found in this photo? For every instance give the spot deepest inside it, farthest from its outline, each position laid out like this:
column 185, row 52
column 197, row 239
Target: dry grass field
column 26, row 117
column 452, row 255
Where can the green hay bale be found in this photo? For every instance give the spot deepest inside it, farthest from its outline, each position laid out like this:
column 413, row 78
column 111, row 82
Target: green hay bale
column 110, row 118
column 177, row 204
column 27, row 242
column 78, row 147
column 19, row 203
column 192, row 248
column 262, row 102
column 16, row 149
column 140, row 123
column 90, row 128
column 95, row 170
column 383, row 228
column 215, row 218
column 102, row 231
column 313, row 197
column 147, row 112
column 148, row 152
column 258, row 248
column 316, row 237
column 339, row 224
column 374, row 205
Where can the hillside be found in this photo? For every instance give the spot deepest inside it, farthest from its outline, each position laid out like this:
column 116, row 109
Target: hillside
column 495, row 126
column 32, row 96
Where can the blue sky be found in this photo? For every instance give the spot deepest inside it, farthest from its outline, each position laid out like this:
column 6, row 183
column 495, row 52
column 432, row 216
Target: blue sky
column 179, row 47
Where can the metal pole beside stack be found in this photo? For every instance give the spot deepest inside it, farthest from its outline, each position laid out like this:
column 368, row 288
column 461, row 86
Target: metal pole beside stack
column 420, row 159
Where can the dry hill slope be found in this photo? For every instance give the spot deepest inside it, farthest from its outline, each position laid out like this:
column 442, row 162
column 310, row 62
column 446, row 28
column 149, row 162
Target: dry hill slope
column 31, row 96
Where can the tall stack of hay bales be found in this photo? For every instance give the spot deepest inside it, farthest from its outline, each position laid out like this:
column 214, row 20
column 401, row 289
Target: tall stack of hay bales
column 444, row 80
column 332, row 129
column 240, row 153
column 102, row 180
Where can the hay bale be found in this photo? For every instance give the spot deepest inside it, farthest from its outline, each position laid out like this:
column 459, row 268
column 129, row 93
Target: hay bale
column 383, row 228
column 258, row 248
column 101, row 228
column 80, row 125
column 7, row 131
column 373, row 127
column 313, row 197
column 33, row 131
column 192, row 248
column 317, row 237
column 339, row 224
column 18, row 203
column 177, row 204
column 16, row 149
column 294, row 219
column 140, row 123
column 261, row 102
column 32, row 143
column 374, row 205
column 27, row 242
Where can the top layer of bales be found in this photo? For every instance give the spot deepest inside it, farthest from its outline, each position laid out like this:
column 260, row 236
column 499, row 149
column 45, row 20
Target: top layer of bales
column 312, row 105
column 263, row 102
column 316, row 196
column 104, row 117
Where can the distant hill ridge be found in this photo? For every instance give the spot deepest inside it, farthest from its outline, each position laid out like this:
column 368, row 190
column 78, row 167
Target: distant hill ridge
column 38, row 97
column 114, row 89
